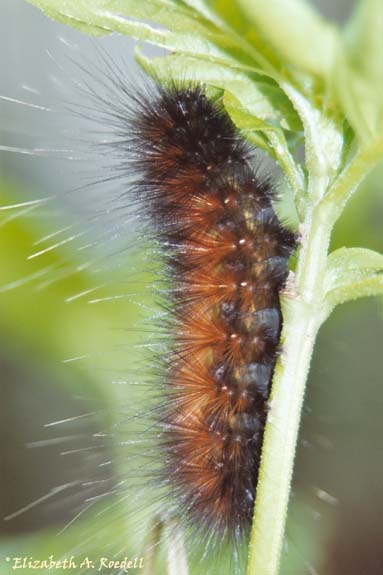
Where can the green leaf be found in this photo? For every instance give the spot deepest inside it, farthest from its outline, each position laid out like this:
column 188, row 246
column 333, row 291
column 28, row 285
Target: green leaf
column 267, row 102
column 234, row 20
column 357, row 75
column 354, row 259
column 323, row 140
column 271, row 138
column 90, row 12
column 168, row 24
column 296, row 32
column 252, row 124
column 64, row 15
column 352, row 273
column 180, row 29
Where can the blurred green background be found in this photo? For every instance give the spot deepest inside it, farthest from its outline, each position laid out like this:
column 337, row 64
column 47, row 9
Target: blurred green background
column 70, row 319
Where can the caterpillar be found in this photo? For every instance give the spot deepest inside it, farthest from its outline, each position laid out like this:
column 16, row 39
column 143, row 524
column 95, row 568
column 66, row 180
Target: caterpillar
column 225, row 256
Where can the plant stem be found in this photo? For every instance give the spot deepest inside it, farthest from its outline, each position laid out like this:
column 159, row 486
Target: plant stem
column 358, row 168
column 302, row 319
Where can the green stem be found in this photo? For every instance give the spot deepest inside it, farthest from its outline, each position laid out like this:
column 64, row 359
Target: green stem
column 302, row 319
column 354, row 173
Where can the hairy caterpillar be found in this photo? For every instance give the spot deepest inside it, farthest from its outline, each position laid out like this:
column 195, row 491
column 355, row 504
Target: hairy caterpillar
column 225, row 255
